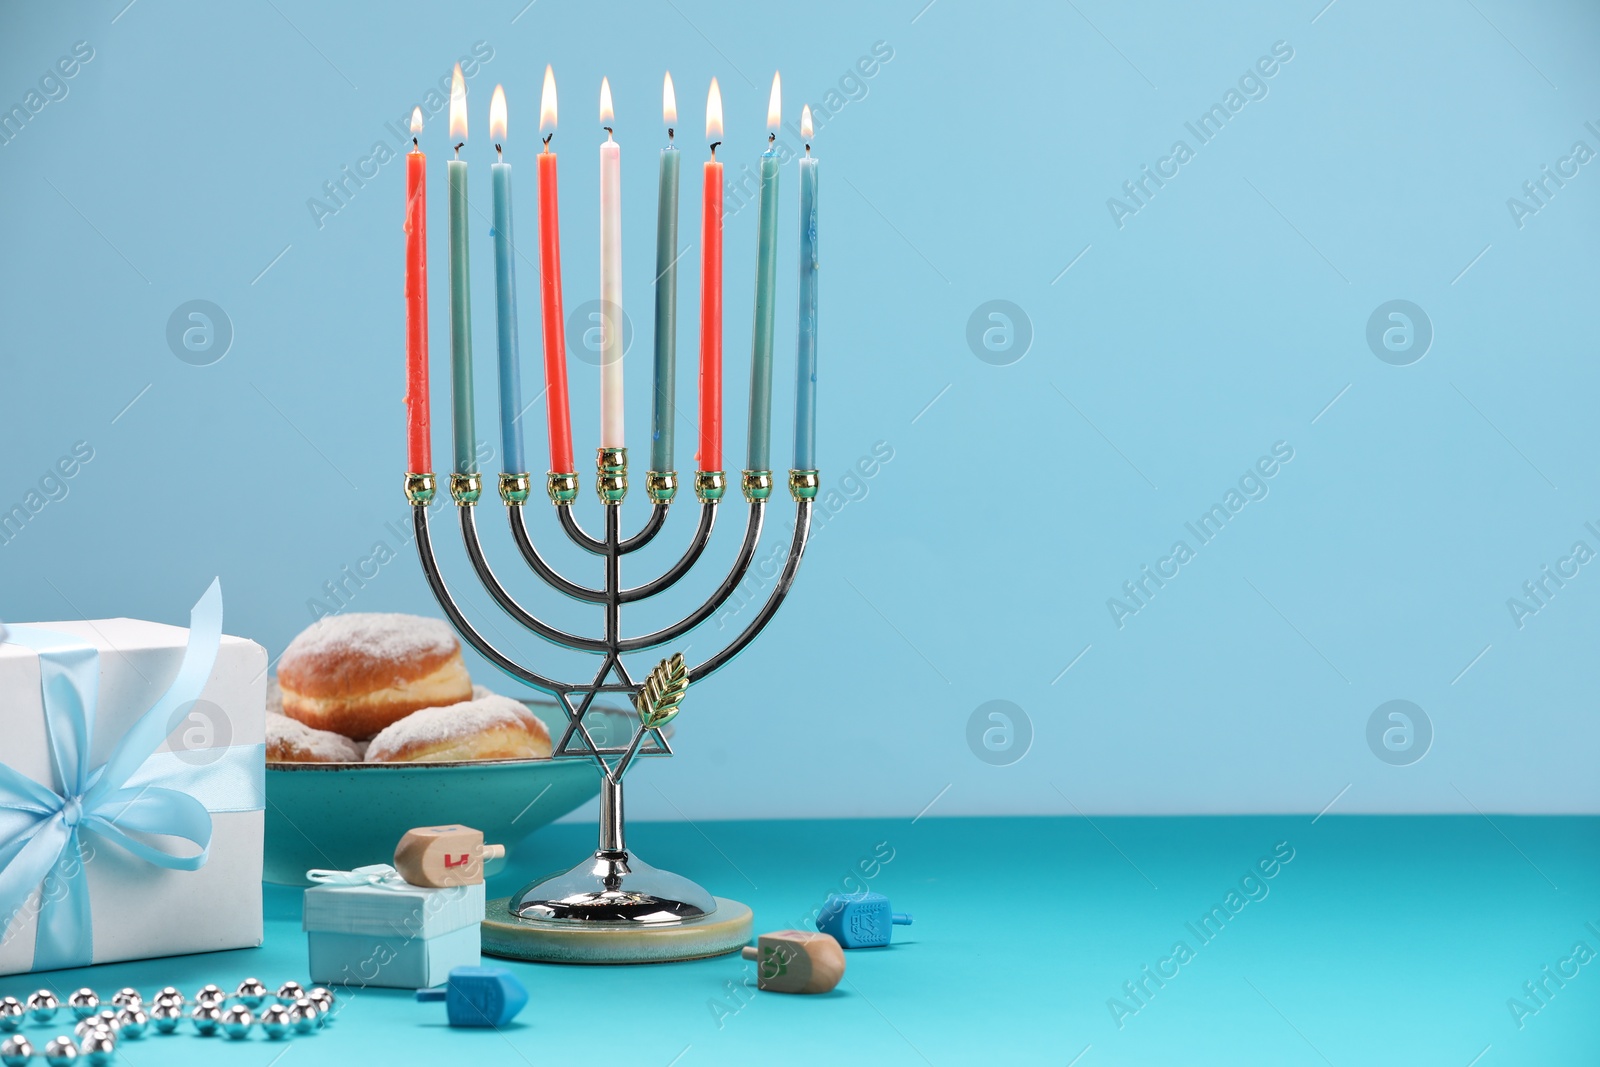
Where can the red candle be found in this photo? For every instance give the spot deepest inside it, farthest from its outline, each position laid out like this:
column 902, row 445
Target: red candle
column 419, row 451
column 555, row 345
column 710, row 455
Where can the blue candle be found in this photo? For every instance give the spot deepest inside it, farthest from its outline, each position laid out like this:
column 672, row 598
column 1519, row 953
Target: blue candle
column 805, row 393
column 505, row 295
column 756, row 454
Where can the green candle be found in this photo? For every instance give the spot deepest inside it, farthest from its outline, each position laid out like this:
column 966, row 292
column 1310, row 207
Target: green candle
column 758, row 452
column 661, row 436
column 466, row 460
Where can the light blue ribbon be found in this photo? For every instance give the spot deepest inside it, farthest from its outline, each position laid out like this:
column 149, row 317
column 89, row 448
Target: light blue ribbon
column 134, row 791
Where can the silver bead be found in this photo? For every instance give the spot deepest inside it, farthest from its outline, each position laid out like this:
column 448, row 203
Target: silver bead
column 98, row 1048
column 11, row 1014
column 60, row 1052
column 276, row 1021
column 206, row 1017
column 324, row 999
column 42, row 1006
column 106, row 1017
column 89, row 1026
column 84, row 1003
column 132, row 1022
column 166, row 1017
column 304, row 1016
column 252, row 991
column 16, row 1051
column 127, row 998
column 289, row 992
column 236, row 1022
column 169, row 993
column 210, row 996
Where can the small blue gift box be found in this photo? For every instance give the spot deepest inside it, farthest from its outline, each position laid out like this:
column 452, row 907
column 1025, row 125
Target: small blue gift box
column 368, row 927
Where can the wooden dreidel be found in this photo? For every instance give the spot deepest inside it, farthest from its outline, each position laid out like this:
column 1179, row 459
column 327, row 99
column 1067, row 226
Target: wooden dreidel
column 860, row 920
column 437, row 856
column 796, row 961
column 479, row 996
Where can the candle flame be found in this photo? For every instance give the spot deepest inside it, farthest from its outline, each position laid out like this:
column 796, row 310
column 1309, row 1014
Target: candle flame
column 547, row 102
column 775, row 105
column 714, row 113
column 805, row 122
column 458, row 105
column 416, row 120
column 606, row 115
column 497, row 115
column 669, row 102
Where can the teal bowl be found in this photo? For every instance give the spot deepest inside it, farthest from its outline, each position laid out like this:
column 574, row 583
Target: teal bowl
column 341, row 816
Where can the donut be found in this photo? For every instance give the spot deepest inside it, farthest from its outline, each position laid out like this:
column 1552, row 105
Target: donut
column 291, row 741
column 356, row 674
column 491, row 727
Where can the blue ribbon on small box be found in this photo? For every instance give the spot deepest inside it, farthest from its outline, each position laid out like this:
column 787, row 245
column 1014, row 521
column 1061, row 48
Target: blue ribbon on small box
column 136, row 791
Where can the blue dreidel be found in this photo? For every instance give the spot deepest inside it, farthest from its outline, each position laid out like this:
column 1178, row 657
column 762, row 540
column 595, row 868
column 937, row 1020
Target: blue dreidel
column 479, row 996
column 861, row 920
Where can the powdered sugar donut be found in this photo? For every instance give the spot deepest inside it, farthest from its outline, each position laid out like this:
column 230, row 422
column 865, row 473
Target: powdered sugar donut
column 356, row 674
column 490, row 727
column 291, row 741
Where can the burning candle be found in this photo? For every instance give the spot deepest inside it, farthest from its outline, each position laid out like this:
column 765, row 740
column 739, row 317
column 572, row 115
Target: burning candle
column 710, row 456
column 555, row 344
column 505, row 292
column 460, row 286
column 663, row 414
column 611, row 332
column 805, row 393
column 757, row 453
column 419, row 448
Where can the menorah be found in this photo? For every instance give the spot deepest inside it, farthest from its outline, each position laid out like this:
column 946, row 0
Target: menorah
column 613, row 887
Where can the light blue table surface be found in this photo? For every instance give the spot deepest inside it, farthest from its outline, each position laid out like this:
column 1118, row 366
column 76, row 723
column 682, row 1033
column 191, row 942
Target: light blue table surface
column 1382, row 941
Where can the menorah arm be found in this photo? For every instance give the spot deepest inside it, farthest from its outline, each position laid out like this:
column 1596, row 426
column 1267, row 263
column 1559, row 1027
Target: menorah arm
column 469, row 534
column 519, row 533
column 569, row 523
column 702, row 537
column 441, row 593
column 797, row 548
column 652, row 526
column 741, row 565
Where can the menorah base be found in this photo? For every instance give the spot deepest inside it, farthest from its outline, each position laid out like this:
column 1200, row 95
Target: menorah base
column 614, row 887
column 725, row 929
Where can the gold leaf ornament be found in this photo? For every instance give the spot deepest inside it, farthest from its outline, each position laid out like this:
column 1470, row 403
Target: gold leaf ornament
column 663, row 692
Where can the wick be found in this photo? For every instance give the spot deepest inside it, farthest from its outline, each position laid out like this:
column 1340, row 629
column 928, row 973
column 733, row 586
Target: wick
column 608, row 132
column 714, row 149
column 458, row 148
column 547, row 137
column 669, row 134
column 808, row 148
column 771, row 137
column 414, row 143
column 501, row 152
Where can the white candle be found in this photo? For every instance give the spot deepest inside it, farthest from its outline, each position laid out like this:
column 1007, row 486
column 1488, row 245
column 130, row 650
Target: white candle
column 611, row 329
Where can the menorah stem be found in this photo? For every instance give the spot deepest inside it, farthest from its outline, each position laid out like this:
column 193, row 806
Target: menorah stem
column 611, row 818
column 613, row 582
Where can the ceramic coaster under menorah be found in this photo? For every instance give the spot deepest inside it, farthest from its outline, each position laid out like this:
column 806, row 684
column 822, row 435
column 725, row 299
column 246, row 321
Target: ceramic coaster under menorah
column 613, row 907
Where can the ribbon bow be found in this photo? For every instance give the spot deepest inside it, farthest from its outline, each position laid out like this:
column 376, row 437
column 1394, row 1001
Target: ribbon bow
column 96, row 801
column 380, row 875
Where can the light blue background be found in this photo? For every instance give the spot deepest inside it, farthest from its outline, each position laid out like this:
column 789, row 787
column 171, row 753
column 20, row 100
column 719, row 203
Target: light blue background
column 1228, row 314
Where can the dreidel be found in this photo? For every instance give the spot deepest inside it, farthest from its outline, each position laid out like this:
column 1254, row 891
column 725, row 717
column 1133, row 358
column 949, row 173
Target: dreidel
column 796, row 961
column 479, row 996
column 437, row 856
column 860, row 920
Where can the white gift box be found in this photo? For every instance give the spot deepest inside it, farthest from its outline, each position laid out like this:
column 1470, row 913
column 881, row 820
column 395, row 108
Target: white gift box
column 214, row 752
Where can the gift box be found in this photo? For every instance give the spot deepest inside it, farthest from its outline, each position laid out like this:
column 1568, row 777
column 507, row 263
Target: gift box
column 371, row 928
column 132, row 782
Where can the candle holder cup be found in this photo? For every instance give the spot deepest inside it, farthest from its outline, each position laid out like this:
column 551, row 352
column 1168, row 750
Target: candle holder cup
column 612, row 906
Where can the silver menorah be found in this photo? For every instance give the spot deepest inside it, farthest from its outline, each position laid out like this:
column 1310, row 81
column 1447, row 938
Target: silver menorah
column 613, row 886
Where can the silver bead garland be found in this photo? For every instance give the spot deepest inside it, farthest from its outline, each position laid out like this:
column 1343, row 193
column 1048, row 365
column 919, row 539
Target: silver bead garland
column 127, row 1016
